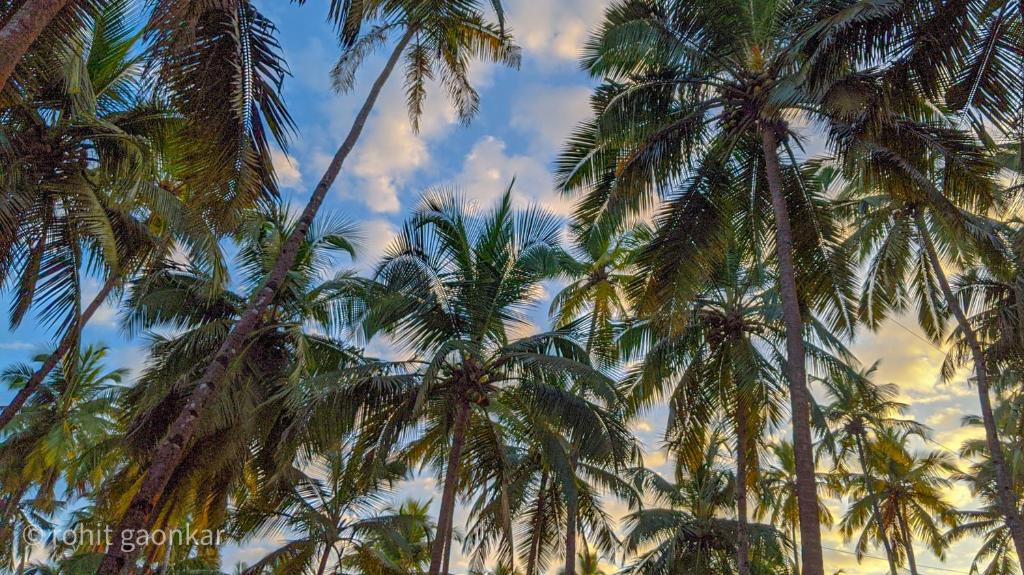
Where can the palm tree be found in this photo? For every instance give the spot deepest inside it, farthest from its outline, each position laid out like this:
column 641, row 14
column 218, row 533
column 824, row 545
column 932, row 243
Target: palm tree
column 22, row 23
column 589, row 564
column 693, row 87
column 402, row 549
column 596, row 296
column 260, row 422
column 995, row 554
column 452, row 290
column 859, row 409
column 720, row 359
column 777, row 498
column 908, row 493
column 920, row 214
column 332, row 508
column 689, row 534
column 433, row 34
column 80, row 166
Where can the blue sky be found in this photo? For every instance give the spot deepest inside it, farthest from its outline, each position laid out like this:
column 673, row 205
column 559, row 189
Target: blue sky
column 524, row 117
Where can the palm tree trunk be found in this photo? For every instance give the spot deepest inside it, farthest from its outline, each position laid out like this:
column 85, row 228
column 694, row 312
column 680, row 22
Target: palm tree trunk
column 66, row 343
column 447, row 557
column 445, row 516
column 18, row 34
column 874, row 504
column 796, row 551
column 171, row 449
column 571, row 511
column 742, row 528
column 799, row 396
column 1006, row 497
column 908, row 542
column 322, row 567
column 538, row 524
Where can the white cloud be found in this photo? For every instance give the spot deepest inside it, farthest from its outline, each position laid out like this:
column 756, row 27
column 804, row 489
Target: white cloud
column 488, row 169
column 287, row 169
column 553, row 31
column 376, row 236
column 549, row 113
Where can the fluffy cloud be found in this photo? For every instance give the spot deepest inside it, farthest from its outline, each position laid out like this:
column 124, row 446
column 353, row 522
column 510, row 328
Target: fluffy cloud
column 549, row 114
column 553, row 31
column 287, row 169
column 488, row 169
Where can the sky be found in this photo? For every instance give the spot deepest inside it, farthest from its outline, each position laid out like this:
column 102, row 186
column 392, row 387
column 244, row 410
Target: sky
column 524, row 117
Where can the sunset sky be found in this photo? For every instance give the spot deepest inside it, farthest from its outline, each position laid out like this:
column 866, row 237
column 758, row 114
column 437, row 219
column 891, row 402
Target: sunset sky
column 524, row 118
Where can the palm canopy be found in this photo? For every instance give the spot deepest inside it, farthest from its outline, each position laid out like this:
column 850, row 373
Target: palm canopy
column 687, row 531
column 453, row 291
column 259, row 424
column 328, row 513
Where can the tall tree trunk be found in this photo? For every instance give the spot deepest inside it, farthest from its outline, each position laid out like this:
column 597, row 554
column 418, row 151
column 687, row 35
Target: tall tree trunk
column 571, row 511
column 171, row 449
column 742, row 528
column 796, row 551
column 799, row 396
column 538, row 525
column 21, row 30
column 908, row 542
column 322, row 567
column 446, row 514
column 66, row 343
column 870, row 487
column 1006, row 497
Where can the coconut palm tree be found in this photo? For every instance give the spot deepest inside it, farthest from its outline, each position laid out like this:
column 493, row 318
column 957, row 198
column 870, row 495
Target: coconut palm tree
column 920, row 215
column 688, row 533
column 909, row 494
column 431, row 35
column 403, row 548
column 694, row 87
column 858, row 410
column 452, row 290
column 333, row 510
column 22, row 24
column 259, row 425
column 777, row 501
column 80, row 180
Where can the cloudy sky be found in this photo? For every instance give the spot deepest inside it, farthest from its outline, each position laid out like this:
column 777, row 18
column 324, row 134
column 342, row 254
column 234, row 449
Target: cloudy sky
column 523, row 119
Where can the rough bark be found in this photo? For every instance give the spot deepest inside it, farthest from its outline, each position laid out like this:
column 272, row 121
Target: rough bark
column 799, row 395
column 869, row 486
column 742, row 527
column 908, row 543
column 171, row 449
column 451, row 481
column 66, row 343
column 22, row 30
column 1006, row 497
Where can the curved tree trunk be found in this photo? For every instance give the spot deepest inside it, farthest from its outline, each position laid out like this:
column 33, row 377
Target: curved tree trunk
column 322, row 567
column 799, row 395
column 22, row 29
column 1006, row 497
column 171, row 449
column 538, row 525
column 742, row 527
column 66, row 343
column 445, row 517
column 874, row 505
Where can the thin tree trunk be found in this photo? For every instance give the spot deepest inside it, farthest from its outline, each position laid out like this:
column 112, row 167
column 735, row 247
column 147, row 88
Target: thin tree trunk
column 908, row 542
column 571, row 511
column 447, row 557
column 1006, row 498
column 538, row 525
column 799, row 396
column 796, row 551
column 742, row 528
column 869, row 486
column 171, row 449
column 66, row 343
column 446, row 514
column 18, row 34
column 323, row 561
